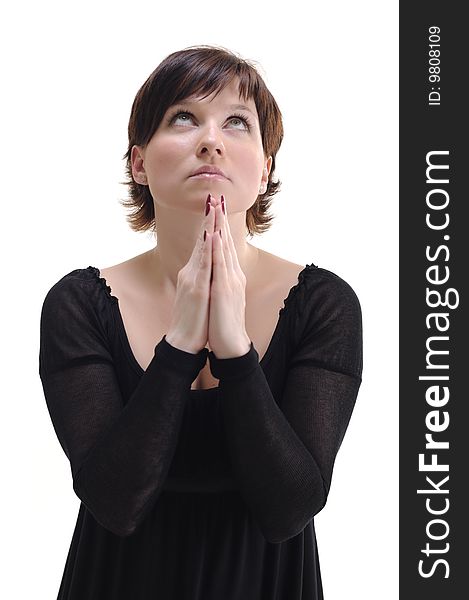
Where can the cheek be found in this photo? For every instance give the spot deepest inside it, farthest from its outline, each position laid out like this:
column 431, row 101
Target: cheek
column 164, row 155
column 252, row 162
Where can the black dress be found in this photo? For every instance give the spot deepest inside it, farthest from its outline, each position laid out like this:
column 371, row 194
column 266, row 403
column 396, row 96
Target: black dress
column 199, row 494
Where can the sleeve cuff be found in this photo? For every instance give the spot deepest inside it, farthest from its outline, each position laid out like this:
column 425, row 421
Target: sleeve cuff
column 234, row 368
column 180, row 360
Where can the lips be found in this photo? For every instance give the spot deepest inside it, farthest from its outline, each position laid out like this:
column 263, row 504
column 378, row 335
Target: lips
column 208, row 170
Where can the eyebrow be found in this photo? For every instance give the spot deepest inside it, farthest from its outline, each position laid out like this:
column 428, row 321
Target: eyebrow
column 240, row 107
column 230, row 107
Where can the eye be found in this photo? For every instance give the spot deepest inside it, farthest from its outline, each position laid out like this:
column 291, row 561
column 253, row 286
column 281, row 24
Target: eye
column 181, row 118
column 241, row 122
column 184, row 118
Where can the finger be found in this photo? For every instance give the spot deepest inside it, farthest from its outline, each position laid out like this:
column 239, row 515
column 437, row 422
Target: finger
column 205, row 263
column 204, row 273
column 221, row 221
column 198, row 258
column 219, row 271
column 202, row 225
column 229, row 241
column 210, row 218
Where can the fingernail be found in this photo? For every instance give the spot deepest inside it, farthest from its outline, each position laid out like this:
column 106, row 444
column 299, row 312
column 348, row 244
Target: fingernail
column 205, row 234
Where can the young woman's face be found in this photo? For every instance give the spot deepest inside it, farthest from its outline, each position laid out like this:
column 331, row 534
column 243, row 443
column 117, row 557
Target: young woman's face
column 222, row 132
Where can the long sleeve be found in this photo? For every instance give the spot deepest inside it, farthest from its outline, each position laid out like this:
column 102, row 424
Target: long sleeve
column 283, row 453
column 119, row 455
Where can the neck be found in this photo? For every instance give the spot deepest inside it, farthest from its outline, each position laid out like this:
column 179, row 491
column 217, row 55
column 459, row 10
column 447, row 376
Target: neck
column 176, row 237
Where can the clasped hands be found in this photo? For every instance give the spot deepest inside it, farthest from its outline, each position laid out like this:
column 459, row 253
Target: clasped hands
column 211, row 291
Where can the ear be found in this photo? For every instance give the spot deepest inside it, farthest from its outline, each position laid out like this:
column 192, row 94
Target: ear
column 138, row 170
column 265, row 175
column 266, row 171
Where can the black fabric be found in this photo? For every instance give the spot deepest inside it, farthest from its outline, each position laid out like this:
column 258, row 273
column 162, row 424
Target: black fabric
column 199, row 494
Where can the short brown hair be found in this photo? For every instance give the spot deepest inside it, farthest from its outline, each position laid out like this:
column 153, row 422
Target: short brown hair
column 194, row 71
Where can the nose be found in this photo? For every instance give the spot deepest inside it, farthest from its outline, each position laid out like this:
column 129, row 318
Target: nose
column 210, row 142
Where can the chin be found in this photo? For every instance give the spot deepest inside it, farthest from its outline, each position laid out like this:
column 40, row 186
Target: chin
column 215, row 190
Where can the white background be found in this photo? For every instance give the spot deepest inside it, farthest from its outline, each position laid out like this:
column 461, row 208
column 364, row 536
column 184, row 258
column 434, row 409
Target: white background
column 69, row 76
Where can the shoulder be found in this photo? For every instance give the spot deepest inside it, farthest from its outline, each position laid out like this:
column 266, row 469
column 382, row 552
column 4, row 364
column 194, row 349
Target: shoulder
column 310, row 286
column 327, row 288
column 276, row 274
column 76, row 321
column 130, row 280
column 82, row 290
column 273, row 263
column 329, row 303
column 326, row 321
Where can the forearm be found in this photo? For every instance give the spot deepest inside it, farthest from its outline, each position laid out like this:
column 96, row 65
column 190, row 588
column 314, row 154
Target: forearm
column 124, row 472
column 279, row 478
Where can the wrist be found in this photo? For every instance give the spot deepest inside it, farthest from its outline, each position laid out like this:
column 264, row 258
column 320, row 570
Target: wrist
column 234, row 368
column 180, row 360
column 236, row 350
column 181, row 344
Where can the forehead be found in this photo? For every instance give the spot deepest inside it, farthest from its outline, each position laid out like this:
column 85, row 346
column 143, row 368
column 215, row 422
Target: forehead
column 227, row 95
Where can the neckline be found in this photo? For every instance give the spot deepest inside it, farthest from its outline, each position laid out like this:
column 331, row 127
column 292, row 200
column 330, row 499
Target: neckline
column 128, row 348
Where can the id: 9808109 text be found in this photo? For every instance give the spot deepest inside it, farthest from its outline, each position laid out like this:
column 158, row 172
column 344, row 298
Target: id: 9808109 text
column 434, row 96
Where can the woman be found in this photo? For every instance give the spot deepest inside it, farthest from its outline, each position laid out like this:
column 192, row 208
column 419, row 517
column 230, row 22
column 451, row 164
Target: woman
column 200, row 390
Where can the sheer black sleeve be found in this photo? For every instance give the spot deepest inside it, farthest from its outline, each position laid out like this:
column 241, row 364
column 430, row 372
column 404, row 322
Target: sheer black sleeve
column 283, row 453
column 119, row 455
